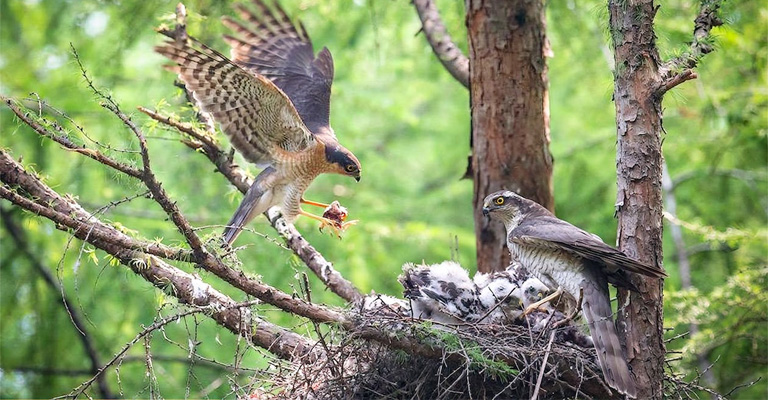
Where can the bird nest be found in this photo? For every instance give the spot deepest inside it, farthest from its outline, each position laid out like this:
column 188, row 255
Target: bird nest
column 436, row 361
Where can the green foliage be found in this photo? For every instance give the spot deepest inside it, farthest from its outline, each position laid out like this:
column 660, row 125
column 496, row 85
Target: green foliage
column 408, row 122
column 476, row 358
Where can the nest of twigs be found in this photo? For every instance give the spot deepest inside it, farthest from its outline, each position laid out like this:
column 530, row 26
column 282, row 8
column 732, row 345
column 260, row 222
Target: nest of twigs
column 439, row 362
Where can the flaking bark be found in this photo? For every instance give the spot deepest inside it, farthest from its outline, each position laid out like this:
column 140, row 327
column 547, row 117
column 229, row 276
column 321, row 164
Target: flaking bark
column 510, row 112
column 639, row 203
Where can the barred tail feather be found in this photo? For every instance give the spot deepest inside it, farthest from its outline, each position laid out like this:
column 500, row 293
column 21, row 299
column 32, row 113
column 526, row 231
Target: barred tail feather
column 253, row 204
column 597, row 311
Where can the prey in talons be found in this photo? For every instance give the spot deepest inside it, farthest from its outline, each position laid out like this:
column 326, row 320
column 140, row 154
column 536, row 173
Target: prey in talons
column 334, row 216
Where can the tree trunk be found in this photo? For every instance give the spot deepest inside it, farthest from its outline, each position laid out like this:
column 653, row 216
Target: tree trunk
column 510, row 112
column 639, row 203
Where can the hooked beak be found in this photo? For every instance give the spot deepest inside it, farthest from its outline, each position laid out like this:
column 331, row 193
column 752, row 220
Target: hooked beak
column 486, row 211
column 357, row 178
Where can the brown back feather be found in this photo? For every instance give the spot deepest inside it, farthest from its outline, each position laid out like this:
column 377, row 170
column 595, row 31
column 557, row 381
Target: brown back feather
column 574, row 240
column 268, row 43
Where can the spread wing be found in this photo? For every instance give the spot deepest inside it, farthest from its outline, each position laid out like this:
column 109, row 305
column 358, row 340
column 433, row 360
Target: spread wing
column 268, row 43
column 548, row 231
column 256, row 115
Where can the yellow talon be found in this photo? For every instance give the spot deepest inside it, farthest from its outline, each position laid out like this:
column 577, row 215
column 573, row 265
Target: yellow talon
column 334, row 217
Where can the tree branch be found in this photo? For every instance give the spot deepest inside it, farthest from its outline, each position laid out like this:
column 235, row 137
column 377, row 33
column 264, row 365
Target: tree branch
column 90, row 229
column 442, row 45
column 68, row 215
column 680, row 69
column 64, row 141
column 147, row 176
column 17, row 234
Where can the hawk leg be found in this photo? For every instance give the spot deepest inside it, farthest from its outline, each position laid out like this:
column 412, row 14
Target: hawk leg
column 536, row 305
column 576, row 310
column 337, row 226
column 314, row 203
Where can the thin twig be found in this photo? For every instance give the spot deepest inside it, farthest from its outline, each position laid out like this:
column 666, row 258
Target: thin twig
column 744, row 385
column 146, row 331
column 680, row 69
column 535, row 394
column 68, row 144
column 17, row 234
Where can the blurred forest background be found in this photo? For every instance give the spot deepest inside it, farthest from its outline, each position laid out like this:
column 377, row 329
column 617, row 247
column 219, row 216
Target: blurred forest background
column 407, row 120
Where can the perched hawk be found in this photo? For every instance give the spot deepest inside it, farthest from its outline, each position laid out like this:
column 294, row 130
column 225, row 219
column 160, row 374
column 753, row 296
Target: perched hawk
column 272, row 100
column 564, row 256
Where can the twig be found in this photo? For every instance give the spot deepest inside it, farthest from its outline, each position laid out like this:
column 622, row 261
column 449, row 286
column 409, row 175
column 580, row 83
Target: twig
column 535, row 394
column 17, row 234
column 107, row 238
column 442, row 45
column 680, row 69
column 742, row 386
column 150, row 368
column 41, row 104
column 68, row 144
column 146, row 331
column 681, row 382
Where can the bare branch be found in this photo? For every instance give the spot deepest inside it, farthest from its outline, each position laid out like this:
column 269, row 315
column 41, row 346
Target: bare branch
column 203, row 141
column 313, row 259
column 147, row 176
column 446, row 51
column 679, row 69
column 90, row 229
column 67, row 214
column 535, row 394
column 64, row 141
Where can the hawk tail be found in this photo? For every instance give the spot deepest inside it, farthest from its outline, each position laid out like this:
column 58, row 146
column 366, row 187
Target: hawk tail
column 597, row 311
column 252, row 205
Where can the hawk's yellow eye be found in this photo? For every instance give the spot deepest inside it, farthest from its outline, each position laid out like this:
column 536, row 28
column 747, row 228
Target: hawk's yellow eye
column 350, row 168
column 499, row 201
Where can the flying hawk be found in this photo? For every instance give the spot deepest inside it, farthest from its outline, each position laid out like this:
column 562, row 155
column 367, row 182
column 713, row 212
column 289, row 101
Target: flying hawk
column 568, row 258
column 272, row 100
